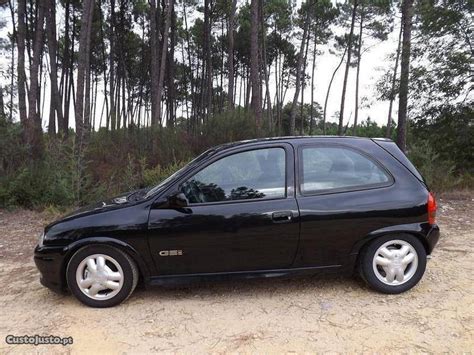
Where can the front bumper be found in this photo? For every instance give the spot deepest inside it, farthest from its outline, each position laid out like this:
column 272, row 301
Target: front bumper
column 50, row 263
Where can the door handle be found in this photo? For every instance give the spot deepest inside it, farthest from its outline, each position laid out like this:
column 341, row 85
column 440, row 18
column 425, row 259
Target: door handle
column 282, row 216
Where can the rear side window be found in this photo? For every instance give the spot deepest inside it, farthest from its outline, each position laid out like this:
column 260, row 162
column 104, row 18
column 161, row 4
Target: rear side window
column 327, row 169
column 254, row 174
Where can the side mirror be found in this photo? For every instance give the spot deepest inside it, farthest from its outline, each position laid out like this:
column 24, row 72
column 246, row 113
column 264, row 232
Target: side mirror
column 178, row 200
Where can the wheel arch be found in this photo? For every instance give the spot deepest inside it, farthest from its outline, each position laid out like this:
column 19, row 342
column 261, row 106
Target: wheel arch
column 71, row 249
column 359, row 247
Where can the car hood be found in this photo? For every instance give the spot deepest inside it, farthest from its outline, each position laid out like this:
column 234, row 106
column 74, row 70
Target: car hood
column 121, row 201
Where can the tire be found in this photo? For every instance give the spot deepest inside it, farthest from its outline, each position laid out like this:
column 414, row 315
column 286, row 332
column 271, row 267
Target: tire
column 109, row 283
column 383, row 271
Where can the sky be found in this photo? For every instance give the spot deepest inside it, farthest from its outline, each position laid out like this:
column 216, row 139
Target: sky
column 373, row 63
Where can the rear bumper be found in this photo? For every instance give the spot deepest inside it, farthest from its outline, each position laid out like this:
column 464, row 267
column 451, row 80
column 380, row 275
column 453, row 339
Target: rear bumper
column 50, row 263
column 432, row 237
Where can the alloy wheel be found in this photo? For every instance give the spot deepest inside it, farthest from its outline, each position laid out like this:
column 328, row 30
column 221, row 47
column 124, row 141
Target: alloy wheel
column 395, row 262
column 99, row 277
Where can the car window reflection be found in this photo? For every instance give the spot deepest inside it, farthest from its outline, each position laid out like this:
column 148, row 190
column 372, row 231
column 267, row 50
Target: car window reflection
column 255, row 174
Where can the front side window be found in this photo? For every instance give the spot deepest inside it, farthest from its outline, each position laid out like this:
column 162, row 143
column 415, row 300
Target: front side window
column 255, row 174
column 337, row 168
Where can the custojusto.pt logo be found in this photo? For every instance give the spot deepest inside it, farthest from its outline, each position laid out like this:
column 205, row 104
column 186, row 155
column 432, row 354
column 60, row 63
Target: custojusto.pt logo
column 38, row 340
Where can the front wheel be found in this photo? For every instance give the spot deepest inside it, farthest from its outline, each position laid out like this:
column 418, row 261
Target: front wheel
column 101, row 276
column 393, row 263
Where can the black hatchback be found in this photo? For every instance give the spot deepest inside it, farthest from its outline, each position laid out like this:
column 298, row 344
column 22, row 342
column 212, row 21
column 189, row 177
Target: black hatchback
column 259, row 208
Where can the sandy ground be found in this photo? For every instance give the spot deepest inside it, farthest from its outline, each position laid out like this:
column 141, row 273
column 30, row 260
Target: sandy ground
column 323, row 314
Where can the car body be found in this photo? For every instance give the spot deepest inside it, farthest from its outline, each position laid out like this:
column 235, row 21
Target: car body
column 265, row 207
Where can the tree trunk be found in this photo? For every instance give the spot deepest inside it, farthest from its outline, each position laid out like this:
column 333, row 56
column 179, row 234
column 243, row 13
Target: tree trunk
column 346, row 73
column 164, row 50
column 56, row 104
column 68, row 68
column 202, row 82
column 207, row 92
column 407, row 16
column 222, row 69
column 230, row 55
column 265, row 68
column 87, row 93
column 81, row 68
column 106, row 80
column 21, row 37
column 299, row 66
column 12, row 76
column 311, row 116
column 34, row 133
column 255, row 79
column 303, row 75
column 359, row 56
column 112, row 119
column 329, row 89
column 394, row 80
column 247, row 86
column 3, row 116
column 154, row 65
column 12, row 73
column 171, row 70
column 121, row 69
column 52, row 114
column 277, row 91
column 193, row 123
column 123, row 112
column 64, row 59
column 95, row 84
column 116, row 113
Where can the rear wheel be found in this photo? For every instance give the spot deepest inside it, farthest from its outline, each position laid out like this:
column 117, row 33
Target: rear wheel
column 101, row 275
column 393, row 263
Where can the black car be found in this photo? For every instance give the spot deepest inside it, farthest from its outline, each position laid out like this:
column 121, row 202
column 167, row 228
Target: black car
column 258, row 208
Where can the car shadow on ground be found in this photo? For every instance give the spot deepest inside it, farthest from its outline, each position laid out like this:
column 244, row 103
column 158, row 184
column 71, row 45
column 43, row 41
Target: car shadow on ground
column 261, row 287
column 234, row 289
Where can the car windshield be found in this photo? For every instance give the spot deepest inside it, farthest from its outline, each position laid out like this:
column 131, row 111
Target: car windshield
column 192, row 163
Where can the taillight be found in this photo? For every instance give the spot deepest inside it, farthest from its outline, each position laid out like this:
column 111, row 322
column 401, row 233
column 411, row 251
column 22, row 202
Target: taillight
column 431, row 209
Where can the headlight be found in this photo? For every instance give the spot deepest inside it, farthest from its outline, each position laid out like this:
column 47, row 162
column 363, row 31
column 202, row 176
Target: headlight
column 40, row 240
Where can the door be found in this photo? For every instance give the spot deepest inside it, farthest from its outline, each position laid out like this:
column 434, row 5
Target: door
column 242, row 215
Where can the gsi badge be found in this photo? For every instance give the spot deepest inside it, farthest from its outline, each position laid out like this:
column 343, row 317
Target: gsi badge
column 170, row 253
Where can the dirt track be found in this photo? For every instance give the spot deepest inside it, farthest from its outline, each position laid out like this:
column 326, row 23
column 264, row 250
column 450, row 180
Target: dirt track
column 258, row 316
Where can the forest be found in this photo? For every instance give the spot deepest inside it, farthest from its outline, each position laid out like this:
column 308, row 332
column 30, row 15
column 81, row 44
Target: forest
column 99, row 97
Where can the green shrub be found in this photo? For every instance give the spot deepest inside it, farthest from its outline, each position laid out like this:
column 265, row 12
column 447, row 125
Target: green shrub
column 12, row 151
column 228, row 127
column 154, row 176
column 439, row 173
column 38, row 186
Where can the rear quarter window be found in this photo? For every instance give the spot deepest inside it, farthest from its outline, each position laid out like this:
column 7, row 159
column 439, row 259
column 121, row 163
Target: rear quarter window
column 333, row 169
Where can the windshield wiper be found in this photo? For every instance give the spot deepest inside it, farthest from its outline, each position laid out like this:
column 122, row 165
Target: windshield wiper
column 137, row 195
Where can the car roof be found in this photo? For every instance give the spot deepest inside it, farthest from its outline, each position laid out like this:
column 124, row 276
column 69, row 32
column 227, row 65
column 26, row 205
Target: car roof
column 288, row 139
